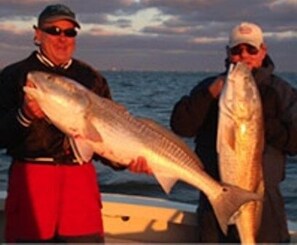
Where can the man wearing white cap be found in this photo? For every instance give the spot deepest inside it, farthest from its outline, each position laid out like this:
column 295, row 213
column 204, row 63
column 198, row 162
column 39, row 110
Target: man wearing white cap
column 246, row 44
column 196, row 115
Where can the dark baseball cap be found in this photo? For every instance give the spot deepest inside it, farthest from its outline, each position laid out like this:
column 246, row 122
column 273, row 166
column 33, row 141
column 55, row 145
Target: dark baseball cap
column 57, row 12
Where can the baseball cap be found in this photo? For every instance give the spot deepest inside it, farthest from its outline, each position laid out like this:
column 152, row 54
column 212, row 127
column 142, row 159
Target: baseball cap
column 57, row 12
column 246, row 33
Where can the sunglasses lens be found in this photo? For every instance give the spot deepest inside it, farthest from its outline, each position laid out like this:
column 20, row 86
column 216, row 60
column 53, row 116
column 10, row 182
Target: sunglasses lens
column 52, row 31
column 56, row 31
column 238, row 50
column 235, row 51
column 252, row 50
column 70, row 32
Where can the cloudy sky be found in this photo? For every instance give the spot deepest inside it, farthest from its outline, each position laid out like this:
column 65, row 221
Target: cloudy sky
column 182, row 35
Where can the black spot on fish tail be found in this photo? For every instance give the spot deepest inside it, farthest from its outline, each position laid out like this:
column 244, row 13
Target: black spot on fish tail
column 229, row 201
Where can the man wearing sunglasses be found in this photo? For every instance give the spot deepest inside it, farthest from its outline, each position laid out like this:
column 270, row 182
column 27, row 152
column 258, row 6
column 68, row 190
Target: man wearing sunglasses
column 196, row 115
column 51, row 197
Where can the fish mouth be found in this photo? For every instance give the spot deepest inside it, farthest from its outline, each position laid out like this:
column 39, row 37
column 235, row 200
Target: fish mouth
column 35, row 78
column 31, row 81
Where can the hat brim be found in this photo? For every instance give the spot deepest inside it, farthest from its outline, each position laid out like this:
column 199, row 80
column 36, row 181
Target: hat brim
column 57, row 18
column 246, row 41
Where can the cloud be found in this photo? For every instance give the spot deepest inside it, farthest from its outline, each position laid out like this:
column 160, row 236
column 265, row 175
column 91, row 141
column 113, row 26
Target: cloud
column 205, row 40
column 156, row 34
column 282, row 36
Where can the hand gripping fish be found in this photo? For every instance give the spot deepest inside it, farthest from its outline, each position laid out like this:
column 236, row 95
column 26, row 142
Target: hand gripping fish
column 240, row 144
column 98, row 125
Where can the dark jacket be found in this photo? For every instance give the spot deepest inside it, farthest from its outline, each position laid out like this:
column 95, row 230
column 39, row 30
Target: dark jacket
column 40, row 138
column 196, row 115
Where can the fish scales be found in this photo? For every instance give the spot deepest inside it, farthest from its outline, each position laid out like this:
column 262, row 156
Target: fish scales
column 157, row 141
column 157, row 147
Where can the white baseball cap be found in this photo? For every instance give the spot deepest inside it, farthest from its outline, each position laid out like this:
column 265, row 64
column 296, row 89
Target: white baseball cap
column 246, row 33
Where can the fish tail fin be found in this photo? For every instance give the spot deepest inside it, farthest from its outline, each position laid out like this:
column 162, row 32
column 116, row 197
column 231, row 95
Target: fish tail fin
column 228, row 203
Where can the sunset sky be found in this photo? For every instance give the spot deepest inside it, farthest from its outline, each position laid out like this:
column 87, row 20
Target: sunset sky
column 173, row 35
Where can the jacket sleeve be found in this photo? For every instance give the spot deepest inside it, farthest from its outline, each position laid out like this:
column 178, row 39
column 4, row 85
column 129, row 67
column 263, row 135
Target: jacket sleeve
column 190, row 111
column 280, row 115
column 13, row 125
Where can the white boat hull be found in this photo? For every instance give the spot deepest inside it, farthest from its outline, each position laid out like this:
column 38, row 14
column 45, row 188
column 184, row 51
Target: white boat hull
column 136, row 219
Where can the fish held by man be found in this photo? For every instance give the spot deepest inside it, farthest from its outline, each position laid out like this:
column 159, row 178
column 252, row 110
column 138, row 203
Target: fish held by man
column 98, row 125
column 240, row 144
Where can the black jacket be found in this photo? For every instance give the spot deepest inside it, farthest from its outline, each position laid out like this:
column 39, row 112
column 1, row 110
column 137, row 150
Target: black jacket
column 40, row 138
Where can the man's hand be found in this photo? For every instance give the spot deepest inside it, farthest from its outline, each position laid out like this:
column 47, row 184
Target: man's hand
column 140, row 166
column 30, row 106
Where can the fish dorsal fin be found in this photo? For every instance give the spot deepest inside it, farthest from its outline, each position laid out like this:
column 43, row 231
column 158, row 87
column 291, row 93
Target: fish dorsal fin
column 107, row 103
column 171, row 136
column 160, row 129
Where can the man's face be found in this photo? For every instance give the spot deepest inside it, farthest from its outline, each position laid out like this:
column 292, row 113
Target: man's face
column 247, row 54
column 57, row 40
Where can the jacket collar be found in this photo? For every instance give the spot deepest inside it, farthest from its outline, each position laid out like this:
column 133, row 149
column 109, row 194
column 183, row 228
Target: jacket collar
column 262, row 74
column 43, row 59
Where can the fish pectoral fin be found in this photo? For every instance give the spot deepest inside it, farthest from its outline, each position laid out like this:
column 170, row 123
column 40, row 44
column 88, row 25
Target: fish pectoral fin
column 81, row 149
column 226, row 136
column 231, row 138
column 166, row 181
column 91, row 133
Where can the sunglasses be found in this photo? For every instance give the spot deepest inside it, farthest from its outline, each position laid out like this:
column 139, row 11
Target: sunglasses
column 56, row 31
column 237, row 50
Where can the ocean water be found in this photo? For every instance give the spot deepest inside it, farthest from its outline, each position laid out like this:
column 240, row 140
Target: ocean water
column 152, row 95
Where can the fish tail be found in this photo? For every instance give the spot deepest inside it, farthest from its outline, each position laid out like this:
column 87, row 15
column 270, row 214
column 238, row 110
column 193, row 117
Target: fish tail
column 228, row 203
